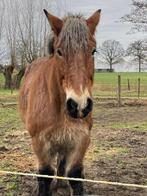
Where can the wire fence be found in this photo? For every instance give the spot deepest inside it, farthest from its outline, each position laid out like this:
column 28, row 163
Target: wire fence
column 119, row 87
column 74, row 179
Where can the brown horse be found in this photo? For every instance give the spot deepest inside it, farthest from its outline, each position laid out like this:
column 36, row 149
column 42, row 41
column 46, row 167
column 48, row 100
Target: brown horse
column 56, row 103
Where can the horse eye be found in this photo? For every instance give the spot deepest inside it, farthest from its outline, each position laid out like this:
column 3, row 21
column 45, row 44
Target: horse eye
column 94, row 51
column 59, row 52
column 91, row 78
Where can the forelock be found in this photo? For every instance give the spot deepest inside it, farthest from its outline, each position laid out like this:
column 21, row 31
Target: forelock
column 74, row 35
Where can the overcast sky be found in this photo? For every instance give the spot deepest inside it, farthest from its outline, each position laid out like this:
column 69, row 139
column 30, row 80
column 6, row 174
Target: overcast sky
column 110, row 26
column 112, row 10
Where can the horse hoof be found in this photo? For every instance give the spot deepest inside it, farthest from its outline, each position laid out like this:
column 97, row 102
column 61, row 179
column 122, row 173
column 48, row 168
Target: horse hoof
column 37, row 193
column 61, row 188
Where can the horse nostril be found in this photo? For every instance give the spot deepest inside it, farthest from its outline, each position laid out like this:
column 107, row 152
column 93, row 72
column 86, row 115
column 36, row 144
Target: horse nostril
column 72, row 106
column 88, row 107
column 89, row 104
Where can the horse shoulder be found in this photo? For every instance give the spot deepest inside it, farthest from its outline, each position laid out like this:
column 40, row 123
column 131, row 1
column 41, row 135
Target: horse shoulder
column 33, row 99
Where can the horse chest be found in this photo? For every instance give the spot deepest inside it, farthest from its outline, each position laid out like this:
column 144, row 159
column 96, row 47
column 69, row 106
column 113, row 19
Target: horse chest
column 64, row 140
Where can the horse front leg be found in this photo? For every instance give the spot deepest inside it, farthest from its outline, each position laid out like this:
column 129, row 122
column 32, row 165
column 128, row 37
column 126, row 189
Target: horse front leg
column 45, row 167
column 44, row 183
column 62, row 187
column 75, row 168
column 77, row 186
column 76, row 171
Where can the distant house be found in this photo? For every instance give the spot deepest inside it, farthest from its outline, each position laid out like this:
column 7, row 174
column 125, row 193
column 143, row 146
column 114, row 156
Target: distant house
column 128, row 65
column 102, row 70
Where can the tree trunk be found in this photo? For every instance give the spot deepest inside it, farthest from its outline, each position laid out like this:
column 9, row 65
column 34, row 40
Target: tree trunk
column 18, row 77
column 8, row 76
column 139, row 64
column 111, row 69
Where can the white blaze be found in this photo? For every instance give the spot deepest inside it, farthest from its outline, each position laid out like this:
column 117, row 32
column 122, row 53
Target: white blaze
column 80, row 99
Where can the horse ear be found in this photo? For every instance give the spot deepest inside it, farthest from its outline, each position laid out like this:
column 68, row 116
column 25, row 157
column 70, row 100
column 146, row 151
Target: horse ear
column 55, row 22
column 93, row 21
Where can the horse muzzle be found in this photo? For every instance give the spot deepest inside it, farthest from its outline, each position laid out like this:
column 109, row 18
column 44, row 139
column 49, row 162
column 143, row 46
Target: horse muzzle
column 76, row 110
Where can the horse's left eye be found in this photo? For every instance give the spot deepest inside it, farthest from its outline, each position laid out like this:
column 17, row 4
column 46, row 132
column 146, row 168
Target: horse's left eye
column 94, row 51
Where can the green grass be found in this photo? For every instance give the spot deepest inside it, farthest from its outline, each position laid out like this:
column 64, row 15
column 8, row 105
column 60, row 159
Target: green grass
column 13, row 116
column 111, row 78
column 8, row 92
column 105, row 84
column 6, row 95
column 1, row 79
column 136, row 126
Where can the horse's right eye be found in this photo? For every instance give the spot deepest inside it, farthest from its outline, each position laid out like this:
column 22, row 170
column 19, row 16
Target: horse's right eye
column 94, row 51
column 59, row 52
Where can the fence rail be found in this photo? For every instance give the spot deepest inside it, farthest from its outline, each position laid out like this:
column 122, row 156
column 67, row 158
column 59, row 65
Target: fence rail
column 74, row 179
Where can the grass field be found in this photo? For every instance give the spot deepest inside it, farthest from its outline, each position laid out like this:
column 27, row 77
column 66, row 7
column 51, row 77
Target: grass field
column 111, row 78
column 105, row 84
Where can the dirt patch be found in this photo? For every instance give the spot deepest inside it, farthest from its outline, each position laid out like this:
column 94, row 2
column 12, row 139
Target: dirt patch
column 118, row 152
column 120, row 156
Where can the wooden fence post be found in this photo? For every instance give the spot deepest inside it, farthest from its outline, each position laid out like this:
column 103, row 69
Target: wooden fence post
column 138, row 88
column 129, row 85
column 119, row 90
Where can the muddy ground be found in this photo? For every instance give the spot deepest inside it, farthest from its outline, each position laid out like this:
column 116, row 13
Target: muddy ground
column 118, row 151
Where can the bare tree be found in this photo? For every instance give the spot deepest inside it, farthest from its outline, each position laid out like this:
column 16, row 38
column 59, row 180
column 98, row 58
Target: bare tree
column 111, row 52
column 8, row 71
column 26, row 35
column 11, row 38
column 2, row 8
column 17, row 77
column 2, row 5
column 11, row 30
column 33, row 30
column 138, row 50
column 138, row 15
